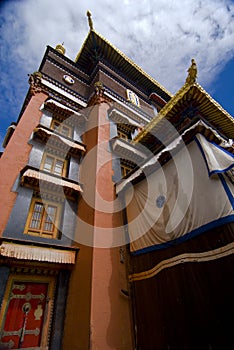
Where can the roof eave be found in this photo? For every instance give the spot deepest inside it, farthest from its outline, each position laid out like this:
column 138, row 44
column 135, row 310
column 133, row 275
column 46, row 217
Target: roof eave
column 186, row 88
column 123, row 56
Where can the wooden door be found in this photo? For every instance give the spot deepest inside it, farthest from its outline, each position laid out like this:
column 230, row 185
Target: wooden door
column 26, row 315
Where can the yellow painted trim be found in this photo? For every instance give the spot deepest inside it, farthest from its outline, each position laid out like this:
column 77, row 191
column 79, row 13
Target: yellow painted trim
column 214, row 102
column 163, row 112
column 83, row 45
column 174, row 100
column 184, row 258
column 65, row 163
column 29, row 231
column 49, row 307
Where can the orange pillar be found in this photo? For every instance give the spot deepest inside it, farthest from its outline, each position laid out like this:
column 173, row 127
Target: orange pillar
column 110, row 310
column 99, row 295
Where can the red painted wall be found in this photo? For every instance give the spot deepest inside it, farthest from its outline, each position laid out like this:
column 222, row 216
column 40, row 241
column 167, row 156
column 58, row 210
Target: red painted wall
column 16, row 154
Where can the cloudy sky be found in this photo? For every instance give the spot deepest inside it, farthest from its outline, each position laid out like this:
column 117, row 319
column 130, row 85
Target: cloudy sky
column 161, row 36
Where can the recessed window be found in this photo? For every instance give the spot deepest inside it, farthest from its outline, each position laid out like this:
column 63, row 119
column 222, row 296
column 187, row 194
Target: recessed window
column 43, row 219
column 61, row 128
column 54, row 165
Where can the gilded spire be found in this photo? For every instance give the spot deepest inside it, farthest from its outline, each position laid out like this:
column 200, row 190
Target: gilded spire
column 192, row 73
column 89, row 15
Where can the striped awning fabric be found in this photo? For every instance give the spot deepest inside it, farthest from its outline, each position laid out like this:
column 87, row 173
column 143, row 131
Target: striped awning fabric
column 49, row 178
column 25, row 252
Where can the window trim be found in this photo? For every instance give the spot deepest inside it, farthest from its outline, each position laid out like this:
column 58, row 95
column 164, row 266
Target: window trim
column 57, row 128
column 55, row 157
column 41, row 232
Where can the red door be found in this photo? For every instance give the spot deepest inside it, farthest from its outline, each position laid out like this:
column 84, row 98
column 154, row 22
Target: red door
column 24, row 316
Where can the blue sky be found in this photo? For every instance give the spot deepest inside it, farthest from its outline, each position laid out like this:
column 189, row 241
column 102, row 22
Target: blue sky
column 161, row 36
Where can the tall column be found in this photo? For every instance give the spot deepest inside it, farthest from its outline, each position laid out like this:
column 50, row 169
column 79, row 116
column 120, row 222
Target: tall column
column 110, row 314
column 100, row 292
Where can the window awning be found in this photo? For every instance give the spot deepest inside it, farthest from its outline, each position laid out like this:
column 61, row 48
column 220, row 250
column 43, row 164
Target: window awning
column 36, row 253
column 39, row 178
column 120, row 117
column 45, row 134
column 53, row 103
column 127, row 150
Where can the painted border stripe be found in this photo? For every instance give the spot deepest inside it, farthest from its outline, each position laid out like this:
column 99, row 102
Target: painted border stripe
column 184, row 258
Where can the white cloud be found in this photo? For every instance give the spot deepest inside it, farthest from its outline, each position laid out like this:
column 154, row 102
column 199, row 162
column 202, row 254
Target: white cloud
column 160, row 35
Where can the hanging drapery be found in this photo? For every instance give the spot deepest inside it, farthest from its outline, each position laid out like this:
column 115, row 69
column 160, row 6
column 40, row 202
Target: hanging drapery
column 218, row 159
column 180, row 199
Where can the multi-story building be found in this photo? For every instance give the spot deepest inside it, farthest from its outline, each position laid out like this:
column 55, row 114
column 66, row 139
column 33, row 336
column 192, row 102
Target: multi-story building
column 116, row 210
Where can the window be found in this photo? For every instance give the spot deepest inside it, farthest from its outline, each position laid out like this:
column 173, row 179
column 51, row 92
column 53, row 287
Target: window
column 61, row 128
column 43, row 219
column 54, row 165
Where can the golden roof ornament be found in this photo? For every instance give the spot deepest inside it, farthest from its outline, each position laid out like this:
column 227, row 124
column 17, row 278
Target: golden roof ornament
column 192, row 73
column 98, row 97
column 60, row 48
column 89, row 15
column 99, row 88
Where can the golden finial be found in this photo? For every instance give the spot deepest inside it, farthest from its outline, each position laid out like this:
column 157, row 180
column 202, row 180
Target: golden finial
column 99, row 88
column 192, row 73
column 89, row 15
column 60, row 48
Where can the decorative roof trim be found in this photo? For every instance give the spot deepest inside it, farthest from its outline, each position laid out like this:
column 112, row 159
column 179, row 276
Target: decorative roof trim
column 69, row 71
column 64, row 58
column 174, row 100
column 162, row 113
column 127, row 59
column 119, row 79
column 61, row 91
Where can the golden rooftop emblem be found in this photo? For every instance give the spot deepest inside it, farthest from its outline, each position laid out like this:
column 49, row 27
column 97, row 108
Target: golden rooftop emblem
column 192, row 73
column 89, row 15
